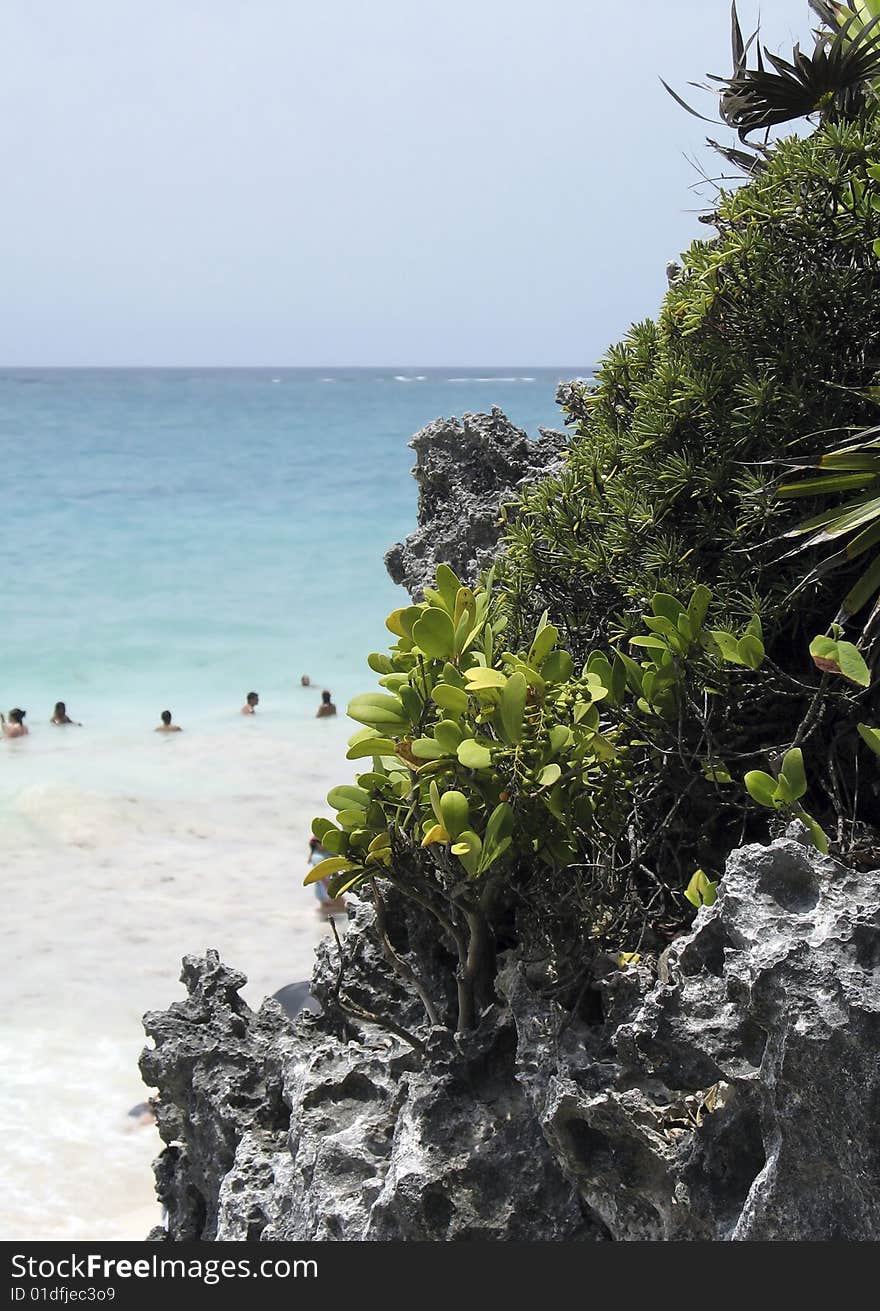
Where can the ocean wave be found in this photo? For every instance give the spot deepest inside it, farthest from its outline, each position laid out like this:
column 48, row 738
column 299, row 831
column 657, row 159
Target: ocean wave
column 416, row 377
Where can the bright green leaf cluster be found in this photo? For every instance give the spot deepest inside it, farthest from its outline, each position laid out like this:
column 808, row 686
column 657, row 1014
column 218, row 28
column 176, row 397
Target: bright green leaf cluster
column 478, row 753
column 784, row 792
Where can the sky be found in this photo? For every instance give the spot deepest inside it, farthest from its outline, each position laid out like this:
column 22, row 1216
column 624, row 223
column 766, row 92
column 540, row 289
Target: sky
column 274, row 182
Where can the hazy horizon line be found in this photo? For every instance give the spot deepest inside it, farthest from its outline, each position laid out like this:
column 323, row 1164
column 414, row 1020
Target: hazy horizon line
column 434, row 368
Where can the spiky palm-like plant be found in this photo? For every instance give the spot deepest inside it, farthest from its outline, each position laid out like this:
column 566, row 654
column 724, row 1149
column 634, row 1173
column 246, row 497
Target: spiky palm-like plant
column 836, row 81
column 852, row 528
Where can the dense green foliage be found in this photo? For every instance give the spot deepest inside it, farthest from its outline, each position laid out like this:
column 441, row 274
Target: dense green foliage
column 494, row 772
column 675, row 454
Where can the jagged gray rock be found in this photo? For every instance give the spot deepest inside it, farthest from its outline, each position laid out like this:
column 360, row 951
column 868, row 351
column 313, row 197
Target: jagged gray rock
column 218, row 1067
column 466, row 469
column 733, row 1098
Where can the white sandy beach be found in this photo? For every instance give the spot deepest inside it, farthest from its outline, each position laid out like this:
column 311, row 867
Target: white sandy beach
column 202, row 844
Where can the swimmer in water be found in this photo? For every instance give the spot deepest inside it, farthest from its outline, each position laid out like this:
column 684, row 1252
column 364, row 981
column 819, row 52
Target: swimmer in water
column 305, row 681
column 326, row 707
column 60, row 715
column 16, row 726
column 250, row 704
column 166, row 726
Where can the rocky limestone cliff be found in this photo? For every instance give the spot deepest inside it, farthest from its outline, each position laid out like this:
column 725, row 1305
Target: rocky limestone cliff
column 731, row 1094
column 466, row 469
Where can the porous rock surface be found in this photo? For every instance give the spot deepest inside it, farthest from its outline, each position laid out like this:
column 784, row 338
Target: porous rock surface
column 466, row 469
column 732, row 1094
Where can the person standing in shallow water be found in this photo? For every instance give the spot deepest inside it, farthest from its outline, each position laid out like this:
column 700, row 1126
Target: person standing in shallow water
column 251, row 703
column 326, row 707
column 166, row 726
column 60, row 715
column 16, row 726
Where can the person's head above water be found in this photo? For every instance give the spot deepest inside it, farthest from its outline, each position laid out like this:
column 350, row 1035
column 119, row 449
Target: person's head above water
column 165, row 716
column 326, row 707
column 16, row 716
column 305, row 681
column 252, row 699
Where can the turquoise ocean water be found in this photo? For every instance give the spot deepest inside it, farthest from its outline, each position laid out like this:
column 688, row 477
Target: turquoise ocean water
column 175, row 538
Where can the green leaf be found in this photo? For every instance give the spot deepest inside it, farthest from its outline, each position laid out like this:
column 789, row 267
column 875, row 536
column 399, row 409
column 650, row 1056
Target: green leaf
column 727, row 645
column 870, row 736
column 561, row 737
column 633, row 672
column 468, row 848
column 324, row 868
column 448, row 586
column 498, row 835
column 370, row 746
column 761, row 787
column 340, row 884
column 840, row 658
column 474, row 756
column 448, row 734
column 379, row 663
column 454, row 812
column 817, row 833
column 667, row 606
column 449, row 698
column 558, row 667
column 698, row 606
column 701, row 891
column 512, row 707
column 652, row 643
column 553, row 802
column 465, row 604
column 322, row 826
column 351, row 818
column 336, row 841
column 864, row 589
column 545, row 640
column 793, row 772
column 549, row 775
column 751, row 651
column 346, row 797
column 830, row 482
column 400, row 622
column 852, row 664
column 434, row 634
column 379, row 711
column 428, row 748
column 480, row 679
column 412, row 704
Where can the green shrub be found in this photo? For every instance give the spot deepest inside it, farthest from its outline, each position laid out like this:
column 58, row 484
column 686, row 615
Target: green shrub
column 761, row 350
column 494, row 773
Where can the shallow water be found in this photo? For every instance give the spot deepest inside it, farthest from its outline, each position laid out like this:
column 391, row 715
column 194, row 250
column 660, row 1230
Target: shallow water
column 175, row 539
